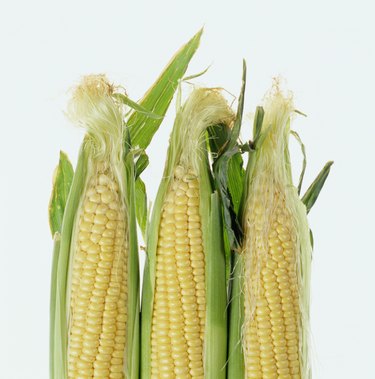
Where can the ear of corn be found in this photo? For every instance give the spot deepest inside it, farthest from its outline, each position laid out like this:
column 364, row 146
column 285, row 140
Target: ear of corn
column 95, row 325
column 184, row 287
column 270, row 298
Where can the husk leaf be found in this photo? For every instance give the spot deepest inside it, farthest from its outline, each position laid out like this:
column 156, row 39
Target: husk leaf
column 159, row 96
column 312, row 193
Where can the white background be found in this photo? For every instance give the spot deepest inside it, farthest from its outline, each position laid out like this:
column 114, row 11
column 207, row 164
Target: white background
column 324, row 49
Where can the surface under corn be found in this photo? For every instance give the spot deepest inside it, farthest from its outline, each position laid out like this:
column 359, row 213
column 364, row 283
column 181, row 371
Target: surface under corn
column 271, row 335
column 179, row 304
column 98, row 288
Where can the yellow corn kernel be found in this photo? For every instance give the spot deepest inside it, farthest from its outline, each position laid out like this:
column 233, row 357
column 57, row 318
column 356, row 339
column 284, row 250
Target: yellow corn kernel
column 179, row 306
column 271, row 290
column 98, row 292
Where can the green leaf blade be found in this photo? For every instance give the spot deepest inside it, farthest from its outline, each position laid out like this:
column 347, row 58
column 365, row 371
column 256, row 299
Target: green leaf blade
column 236, row 175
column 53, row 303
column 58, row 317
column 258, row 122
column 62, row 182
column 229, row 173
column 159, row 96
column 304, row 161
column 216, row 288
column 218, row 138
column 236, row 363
column 135, row 106
column 141, row 205
column 141, row 164
column 241, row 101
column 312, row 193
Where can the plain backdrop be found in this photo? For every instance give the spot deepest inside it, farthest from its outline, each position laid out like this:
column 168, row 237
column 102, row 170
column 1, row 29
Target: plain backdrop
column 324, row 50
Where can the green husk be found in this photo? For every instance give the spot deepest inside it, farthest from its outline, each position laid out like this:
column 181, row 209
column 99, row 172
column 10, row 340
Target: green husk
column 62, row 182
column 229, row 175
column 141, row 208
column 140, row 193
column 215, row 351
column 236, row 364
column 133, row 327
column 312, row 193
column 188, row 145
column 141, row 164
column 58, row 322
column 135, row 106
column 159, row 96
column 304, row 161
column 60, row 189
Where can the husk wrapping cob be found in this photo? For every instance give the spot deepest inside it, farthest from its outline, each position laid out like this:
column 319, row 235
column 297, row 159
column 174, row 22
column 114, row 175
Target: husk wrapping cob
column 269, row 321
column 95, row 325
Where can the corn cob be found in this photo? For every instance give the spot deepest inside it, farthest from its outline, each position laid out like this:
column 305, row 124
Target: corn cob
column 99, row 286
column 98, row 250
column 270, row 300
column 184, row 293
